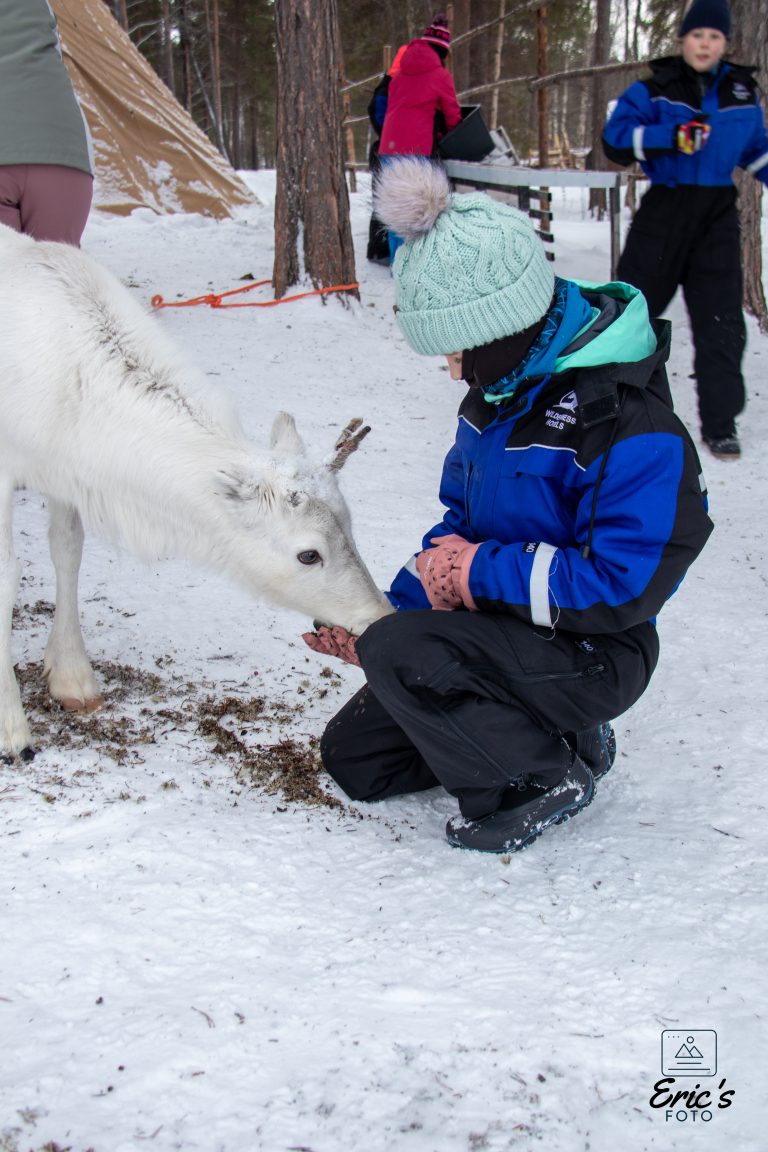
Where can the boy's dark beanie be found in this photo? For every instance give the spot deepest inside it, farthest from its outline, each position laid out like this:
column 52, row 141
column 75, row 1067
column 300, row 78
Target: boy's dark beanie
column 707, row 14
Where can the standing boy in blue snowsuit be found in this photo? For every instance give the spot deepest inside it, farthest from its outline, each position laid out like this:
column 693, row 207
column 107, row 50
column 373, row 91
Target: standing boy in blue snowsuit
column 572, row 508
column 694, row 121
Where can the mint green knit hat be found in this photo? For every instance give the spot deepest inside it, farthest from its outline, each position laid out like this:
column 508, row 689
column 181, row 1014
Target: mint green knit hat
column 471, row 270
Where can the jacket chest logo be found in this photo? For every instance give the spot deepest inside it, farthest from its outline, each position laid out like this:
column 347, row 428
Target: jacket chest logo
column 740, row 91
column 562, row 415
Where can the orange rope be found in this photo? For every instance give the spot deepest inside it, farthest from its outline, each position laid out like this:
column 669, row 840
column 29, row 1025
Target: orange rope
column 214, row 299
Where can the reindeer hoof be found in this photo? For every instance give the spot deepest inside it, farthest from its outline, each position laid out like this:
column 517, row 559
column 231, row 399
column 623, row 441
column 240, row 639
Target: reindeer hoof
column 26, row 754
column 84, row 707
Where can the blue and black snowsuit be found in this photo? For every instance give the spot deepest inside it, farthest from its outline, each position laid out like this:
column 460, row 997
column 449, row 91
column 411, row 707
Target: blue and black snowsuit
column 585, row 492
column 686, row 231
column 378, row 242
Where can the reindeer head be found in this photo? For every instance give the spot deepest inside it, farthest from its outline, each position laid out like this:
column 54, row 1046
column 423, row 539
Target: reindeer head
column 300, row 547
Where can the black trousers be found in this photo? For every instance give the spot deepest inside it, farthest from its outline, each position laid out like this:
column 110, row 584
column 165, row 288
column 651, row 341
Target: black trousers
column 474, row 701
column 690, row 237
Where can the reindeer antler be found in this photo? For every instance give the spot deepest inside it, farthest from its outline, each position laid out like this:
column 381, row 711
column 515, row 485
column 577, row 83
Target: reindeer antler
column 348, row 442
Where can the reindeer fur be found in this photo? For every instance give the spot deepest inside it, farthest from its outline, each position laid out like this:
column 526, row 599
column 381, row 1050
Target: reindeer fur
column 99, row 414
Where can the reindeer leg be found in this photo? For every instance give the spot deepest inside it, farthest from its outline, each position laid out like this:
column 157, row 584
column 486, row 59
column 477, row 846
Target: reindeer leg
column 15, row 739
column 70, row 676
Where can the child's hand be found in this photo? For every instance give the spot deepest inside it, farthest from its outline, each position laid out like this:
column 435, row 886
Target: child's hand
column 333, row 642
column 691, row 137
column 444, row 572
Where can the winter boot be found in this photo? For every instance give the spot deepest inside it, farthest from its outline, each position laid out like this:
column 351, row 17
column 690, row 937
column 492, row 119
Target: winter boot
column 596, row 747
column 723, row 447
column 513, row 828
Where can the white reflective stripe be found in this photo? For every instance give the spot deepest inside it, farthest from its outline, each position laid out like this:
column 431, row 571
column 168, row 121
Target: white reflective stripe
column 637, row 143
column 548, row 448
column 541, row 612
column 411, row 567
column 756, row 165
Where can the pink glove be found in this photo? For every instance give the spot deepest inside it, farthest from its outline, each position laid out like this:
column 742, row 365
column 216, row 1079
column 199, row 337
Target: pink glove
column 333, row 642
column 444, row 572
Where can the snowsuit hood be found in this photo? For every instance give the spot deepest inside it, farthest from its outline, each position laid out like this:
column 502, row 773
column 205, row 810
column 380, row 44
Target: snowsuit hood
column 420, row 90
column 619, row 331
column 419, row 57
column 587, row 324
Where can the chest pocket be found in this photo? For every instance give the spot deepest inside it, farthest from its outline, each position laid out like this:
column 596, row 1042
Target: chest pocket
column 730, row 134
column 539, row 460
column 537, row 494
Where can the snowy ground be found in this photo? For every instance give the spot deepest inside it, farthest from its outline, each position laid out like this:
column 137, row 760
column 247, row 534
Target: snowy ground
column 190, row 962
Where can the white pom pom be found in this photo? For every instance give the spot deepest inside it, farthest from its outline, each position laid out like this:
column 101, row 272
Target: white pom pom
column 410, row 194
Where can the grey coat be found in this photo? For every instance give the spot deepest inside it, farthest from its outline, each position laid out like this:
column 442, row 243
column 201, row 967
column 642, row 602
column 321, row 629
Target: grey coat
column 40, row 119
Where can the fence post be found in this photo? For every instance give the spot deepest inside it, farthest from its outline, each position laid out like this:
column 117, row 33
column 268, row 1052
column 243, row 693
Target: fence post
column 614, row 205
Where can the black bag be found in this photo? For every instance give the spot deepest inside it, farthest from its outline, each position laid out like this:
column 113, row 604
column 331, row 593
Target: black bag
column 469, row 140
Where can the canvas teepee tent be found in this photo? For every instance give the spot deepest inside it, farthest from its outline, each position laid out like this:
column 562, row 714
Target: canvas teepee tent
column 149, row 152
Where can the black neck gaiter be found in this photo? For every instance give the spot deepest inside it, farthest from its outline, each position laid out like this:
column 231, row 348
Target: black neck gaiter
column 483, row 366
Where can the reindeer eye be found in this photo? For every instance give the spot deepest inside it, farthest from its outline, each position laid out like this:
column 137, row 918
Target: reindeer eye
column 309, row 557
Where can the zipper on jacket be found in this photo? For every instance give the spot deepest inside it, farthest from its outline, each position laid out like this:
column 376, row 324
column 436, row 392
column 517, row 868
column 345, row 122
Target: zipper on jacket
column 467, row 513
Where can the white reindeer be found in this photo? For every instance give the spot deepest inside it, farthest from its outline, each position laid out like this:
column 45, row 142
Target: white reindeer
column 98, row 414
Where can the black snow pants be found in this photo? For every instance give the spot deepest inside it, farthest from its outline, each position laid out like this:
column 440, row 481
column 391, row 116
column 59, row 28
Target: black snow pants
column 689, row 236
column 474, row 701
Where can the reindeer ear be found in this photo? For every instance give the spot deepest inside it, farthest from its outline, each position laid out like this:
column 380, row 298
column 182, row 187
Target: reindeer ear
column 238, row 486
column 284, row 436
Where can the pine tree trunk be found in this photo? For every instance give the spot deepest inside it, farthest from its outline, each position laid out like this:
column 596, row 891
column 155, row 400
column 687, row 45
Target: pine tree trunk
column 213, row 24
column 750, row 46
column 479, row 56
column 542, row 96
column 461, row 23
column 497, row 65
column 636, row 34
column 186, row 61
column 167, row 45
column 601, row 55
column 311, row 190
column 121, row 13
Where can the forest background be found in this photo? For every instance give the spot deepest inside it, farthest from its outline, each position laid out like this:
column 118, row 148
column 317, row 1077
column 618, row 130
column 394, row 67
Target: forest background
column 219, row 59
column 259, row 77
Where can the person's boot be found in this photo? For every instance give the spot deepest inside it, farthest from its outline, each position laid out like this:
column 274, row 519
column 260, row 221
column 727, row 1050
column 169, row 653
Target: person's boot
column 597, row 748
column 724, row 447
column 512, row 828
